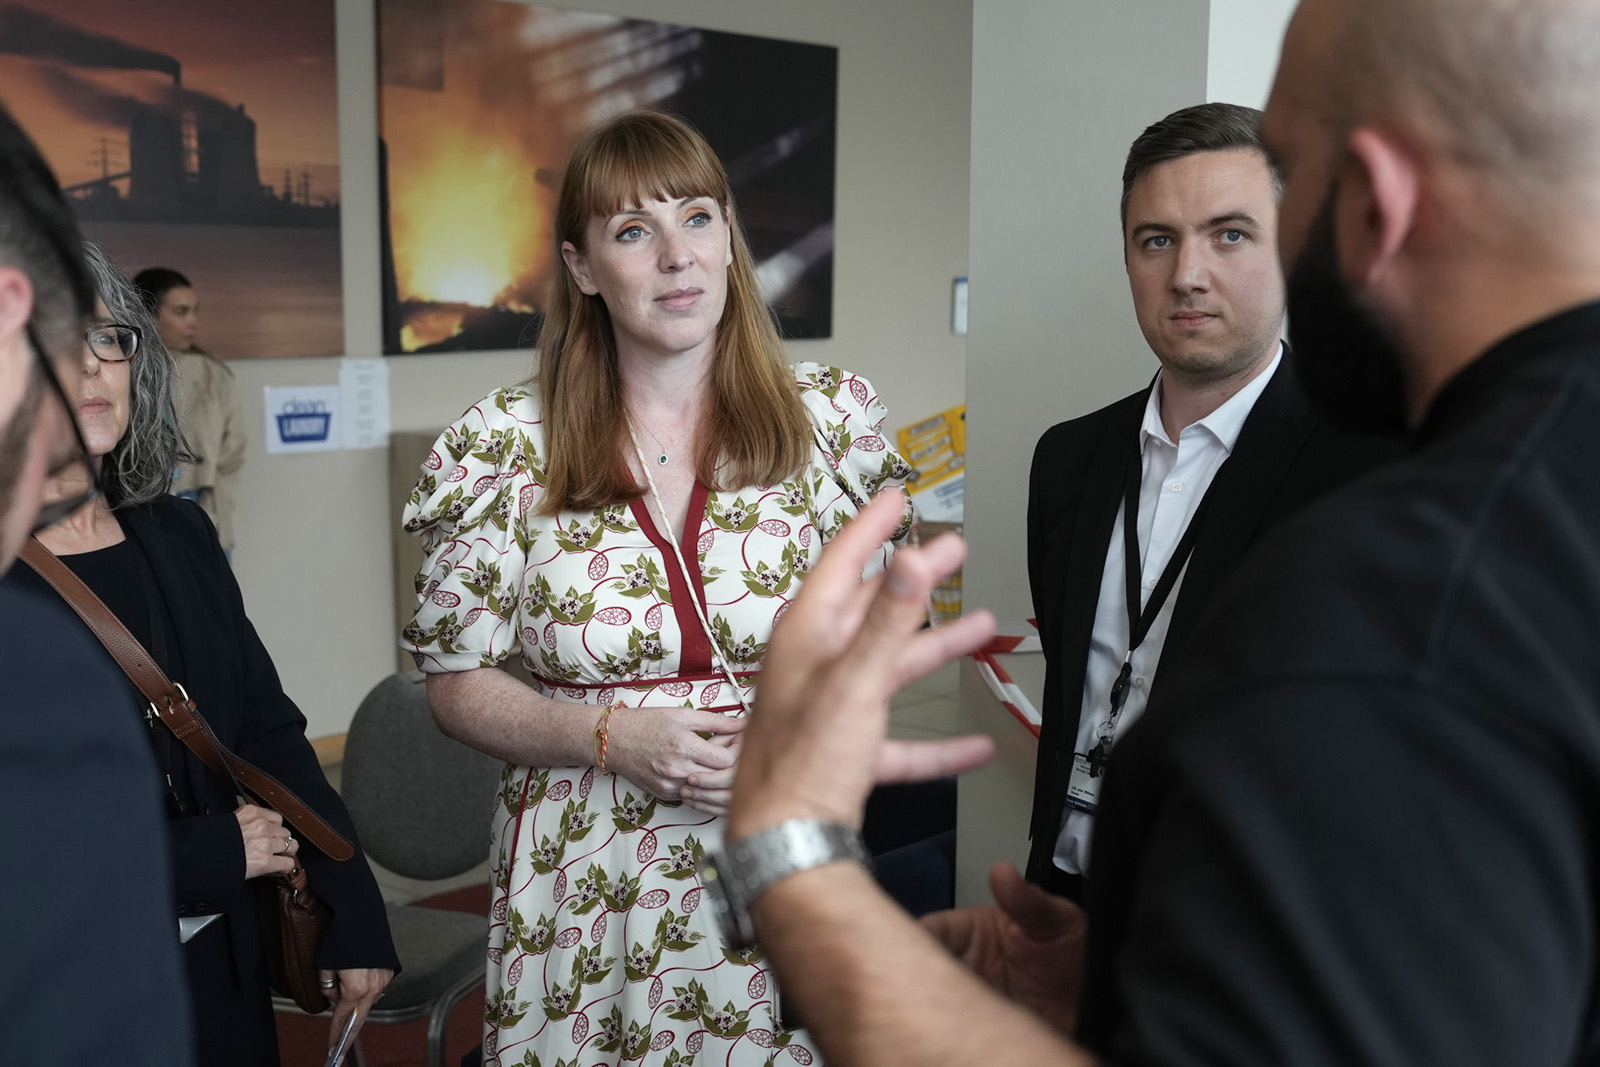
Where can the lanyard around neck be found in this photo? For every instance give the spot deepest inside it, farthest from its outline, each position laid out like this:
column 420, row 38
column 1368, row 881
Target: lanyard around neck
column 1140, row 619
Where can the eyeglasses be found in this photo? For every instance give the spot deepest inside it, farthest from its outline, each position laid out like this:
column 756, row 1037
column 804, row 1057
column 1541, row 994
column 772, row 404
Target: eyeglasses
column 54, row 511
column 113, row 342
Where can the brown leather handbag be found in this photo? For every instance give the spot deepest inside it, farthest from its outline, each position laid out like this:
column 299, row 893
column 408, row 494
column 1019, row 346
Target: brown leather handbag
column 290, row 915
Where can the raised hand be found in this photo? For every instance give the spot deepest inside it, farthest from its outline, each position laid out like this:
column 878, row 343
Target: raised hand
column 816, row 743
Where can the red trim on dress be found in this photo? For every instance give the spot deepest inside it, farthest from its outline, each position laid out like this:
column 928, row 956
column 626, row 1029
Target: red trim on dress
column 511, row 858
column 695, row 658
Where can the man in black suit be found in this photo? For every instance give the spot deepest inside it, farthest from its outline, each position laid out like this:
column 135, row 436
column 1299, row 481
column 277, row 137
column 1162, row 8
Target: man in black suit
column 89, row 973
column 1215, row 452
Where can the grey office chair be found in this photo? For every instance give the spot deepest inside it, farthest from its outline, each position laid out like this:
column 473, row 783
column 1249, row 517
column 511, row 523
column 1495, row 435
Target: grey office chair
column 420, row 802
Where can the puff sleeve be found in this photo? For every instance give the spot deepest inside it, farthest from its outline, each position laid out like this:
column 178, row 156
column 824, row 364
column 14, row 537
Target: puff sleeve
column 477, row 484
column 856, row 459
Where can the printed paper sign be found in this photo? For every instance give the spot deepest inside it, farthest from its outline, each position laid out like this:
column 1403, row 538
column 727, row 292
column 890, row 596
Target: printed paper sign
column 365, row 384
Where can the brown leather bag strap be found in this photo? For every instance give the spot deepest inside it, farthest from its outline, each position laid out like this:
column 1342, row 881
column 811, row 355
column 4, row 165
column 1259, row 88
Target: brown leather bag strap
column 174, row 707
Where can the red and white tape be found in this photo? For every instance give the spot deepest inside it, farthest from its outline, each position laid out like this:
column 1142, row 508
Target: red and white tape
column 1000, row 683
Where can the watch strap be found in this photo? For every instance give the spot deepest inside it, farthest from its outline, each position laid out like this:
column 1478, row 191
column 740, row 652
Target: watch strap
column 748, row 867
column 758, row 862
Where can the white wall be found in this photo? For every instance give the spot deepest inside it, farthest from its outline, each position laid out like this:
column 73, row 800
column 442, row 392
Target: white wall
column 313, row 550
column 1242, row 52
column 1059, row 92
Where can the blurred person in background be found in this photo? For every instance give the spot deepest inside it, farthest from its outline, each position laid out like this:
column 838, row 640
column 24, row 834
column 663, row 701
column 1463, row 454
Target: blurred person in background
column 206, row 398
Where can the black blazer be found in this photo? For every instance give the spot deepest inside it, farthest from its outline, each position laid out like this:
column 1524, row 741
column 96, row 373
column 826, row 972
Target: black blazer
column 230, row 676
column 1285, row 457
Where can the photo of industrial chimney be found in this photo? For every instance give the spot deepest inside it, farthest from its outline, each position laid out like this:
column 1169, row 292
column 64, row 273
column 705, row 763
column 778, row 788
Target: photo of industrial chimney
column 200, row 136
column 183, row 155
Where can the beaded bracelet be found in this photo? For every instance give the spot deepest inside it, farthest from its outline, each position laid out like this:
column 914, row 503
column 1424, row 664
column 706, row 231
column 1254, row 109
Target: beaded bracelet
column 602, row 735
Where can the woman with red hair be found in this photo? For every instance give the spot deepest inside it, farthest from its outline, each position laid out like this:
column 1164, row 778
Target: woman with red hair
column 630, row 523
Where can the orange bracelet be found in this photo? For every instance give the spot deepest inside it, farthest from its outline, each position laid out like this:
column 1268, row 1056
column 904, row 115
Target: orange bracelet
column 602, row 735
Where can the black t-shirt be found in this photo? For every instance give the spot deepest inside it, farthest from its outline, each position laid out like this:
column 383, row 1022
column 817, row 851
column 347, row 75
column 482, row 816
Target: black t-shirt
column 1361, row 824
column 115, row 575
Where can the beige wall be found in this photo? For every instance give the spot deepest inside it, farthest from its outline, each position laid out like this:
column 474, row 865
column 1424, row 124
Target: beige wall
column 313, row 551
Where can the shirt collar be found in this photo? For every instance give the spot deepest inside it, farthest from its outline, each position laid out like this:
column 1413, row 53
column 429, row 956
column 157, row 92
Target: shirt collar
column 1481, row 384
column 1222, row 424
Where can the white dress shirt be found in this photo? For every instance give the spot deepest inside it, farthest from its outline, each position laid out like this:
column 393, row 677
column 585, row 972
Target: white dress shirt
column 1175, row 478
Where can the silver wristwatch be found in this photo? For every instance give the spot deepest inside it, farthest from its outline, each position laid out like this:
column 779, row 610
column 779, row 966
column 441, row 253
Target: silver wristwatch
column 746, row 868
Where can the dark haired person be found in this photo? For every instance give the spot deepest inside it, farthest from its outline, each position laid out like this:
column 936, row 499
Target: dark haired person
column 155, row 562
column 90, row 972
column 630, row 524
column 206, row 398
column 1220, row 448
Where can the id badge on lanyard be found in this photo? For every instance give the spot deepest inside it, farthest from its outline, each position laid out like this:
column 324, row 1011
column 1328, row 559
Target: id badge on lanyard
column 1088, row 768
column 1083, row 790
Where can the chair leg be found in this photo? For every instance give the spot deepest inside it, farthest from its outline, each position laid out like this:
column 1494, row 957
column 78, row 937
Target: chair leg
column 436, row 1027
column 439, row 1019
column 357, row 1057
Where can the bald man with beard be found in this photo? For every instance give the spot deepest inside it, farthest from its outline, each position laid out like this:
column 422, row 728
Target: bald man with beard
column 1361, row 825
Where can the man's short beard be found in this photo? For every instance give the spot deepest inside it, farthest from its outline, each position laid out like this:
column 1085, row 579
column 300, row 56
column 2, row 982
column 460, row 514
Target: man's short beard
column 1346, row 363
column 1238, row 362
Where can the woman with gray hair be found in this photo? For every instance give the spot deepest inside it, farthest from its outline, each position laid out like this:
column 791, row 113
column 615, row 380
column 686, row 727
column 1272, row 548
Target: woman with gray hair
column 155, row 562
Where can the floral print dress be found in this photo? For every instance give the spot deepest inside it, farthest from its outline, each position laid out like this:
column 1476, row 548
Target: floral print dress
column 599, row 949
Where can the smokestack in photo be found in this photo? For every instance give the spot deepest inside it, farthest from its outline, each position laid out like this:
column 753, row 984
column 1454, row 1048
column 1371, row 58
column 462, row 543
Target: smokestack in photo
column 25, row 32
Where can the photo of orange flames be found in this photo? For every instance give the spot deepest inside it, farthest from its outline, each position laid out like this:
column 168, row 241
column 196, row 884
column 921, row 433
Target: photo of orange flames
column 481, row 101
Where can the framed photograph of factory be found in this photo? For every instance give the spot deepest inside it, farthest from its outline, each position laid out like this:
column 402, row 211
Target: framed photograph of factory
column 482, row 100
column 199, row 135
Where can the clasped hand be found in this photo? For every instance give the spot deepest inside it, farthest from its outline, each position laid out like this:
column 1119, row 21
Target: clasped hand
column 269, row 847
column 662, row 750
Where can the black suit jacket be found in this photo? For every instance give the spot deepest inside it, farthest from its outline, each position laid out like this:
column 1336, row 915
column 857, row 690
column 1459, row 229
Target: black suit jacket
column 86, row 897
column 1285, row 457
column 235, row 686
